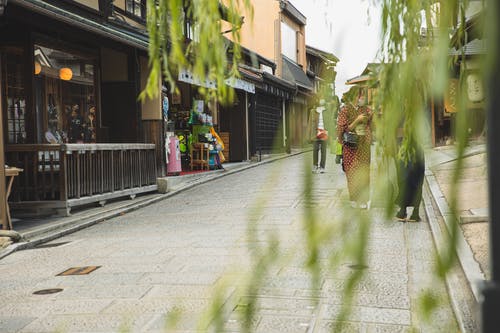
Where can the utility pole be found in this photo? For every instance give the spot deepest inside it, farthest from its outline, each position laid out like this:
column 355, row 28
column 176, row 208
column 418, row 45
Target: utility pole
column 490, row 302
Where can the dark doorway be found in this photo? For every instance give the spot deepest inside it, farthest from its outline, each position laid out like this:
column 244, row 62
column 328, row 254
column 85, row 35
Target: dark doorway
column 233, row 120
column 119, row 116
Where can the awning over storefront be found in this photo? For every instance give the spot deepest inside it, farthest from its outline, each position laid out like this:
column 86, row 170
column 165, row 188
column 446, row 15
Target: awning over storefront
column 293, row 73
column 268, row 82
column 359, row 79
column 120, row 34
column 279, row 87
column 475, row 47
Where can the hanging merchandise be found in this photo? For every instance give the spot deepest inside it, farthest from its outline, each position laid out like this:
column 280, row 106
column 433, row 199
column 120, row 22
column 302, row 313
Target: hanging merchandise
column 165, row 107
column 182, row 143
column 219, row 145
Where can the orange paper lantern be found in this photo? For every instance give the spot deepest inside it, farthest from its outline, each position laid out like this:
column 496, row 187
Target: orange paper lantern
column 65, row 74
column 38, row 68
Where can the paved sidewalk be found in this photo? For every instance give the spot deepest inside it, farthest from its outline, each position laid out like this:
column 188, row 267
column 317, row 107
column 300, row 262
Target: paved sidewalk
column 35, row 231
column 472, row 196
column 472, row 211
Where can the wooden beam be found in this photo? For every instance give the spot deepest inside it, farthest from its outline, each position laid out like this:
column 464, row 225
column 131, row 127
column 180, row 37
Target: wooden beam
column 3, row 198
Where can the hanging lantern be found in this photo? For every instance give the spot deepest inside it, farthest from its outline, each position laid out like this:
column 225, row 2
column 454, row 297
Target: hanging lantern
column 65, row 74
column 38, row 68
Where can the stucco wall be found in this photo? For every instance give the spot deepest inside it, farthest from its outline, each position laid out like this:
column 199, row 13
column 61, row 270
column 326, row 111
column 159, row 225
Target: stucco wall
column 259, row 35
column 94, row 4
column 263, row 34
column 151, row 108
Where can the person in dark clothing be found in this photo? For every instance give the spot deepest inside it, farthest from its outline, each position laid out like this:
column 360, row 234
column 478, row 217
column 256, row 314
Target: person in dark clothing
column 76, row 132
column 319, row 123
column 410, row 180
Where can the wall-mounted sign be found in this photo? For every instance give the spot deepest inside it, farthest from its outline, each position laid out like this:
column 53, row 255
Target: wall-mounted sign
column 475, row 90
column 188, row 77
column 451, row 96
column 240, row 84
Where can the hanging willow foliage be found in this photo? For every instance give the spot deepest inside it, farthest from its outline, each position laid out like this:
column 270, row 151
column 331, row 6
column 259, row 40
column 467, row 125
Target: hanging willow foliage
column 414, row 70
column 205, row 54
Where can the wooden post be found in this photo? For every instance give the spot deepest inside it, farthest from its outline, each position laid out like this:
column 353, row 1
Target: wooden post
column 490, row 290
column 3, row 198
column 433, row 122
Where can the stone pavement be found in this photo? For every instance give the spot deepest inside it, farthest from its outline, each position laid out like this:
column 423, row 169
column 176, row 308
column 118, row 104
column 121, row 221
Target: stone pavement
column 38, row 230
column 472, row 212
column 172, row 254
column 472, row 195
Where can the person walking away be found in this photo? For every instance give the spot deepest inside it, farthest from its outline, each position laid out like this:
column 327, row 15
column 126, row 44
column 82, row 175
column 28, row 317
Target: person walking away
column 356, row 159
column 410, row 173
column 318, row 134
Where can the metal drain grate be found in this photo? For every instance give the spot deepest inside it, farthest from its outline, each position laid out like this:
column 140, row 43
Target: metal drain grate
column 79, row 270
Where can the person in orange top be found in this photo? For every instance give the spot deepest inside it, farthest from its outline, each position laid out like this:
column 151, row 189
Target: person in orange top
column 320, row 119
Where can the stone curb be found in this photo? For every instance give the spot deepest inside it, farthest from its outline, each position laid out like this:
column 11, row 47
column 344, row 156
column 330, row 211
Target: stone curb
column 51, row 232
column 460, row 299
column 464, row 252
column 468, row 265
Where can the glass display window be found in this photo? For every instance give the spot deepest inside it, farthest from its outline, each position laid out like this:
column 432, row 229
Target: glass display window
column 65, row 96
column 15, row 92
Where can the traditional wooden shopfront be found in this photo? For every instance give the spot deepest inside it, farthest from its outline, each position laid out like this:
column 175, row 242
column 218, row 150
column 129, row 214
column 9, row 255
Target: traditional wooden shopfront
column 71, row 117
column 268, row 119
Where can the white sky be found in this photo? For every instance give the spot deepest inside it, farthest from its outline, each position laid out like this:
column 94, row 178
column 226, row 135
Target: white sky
column 345, row 28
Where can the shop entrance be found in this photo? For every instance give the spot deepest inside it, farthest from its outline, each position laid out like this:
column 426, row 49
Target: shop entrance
column 119, row 118
column 233, row 120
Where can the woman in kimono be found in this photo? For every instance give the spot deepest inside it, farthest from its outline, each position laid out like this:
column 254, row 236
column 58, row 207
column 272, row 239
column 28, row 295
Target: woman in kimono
column 356, row 160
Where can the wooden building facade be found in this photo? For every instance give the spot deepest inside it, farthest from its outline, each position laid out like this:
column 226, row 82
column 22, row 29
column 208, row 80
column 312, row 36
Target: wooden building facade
column 71, row 75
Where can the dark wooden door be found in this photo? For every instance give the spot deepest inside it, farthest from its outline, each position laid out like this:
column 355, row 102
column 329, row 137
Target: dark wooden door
column 119, row 112
column 233, row 120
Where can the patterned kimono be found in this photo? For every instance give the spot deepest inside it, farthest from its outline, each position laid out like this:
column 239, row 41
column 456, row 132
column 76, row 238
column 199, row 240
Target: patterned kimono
column 356, row 161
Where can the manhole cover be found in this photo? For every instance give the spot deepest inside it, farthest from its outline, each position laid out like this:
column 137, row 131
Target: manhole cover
column 357, row 266
column 47, row 291
column 79, row 270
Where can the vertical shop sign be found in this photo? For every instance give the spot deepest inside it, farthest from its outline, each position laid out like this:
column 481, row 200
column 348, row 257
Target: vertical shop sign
column 451, row 97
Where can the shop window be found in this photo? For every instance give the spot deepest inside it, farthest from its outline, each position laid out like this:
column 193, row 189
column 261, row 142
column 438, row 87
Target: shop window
column 289, row 42
column 136, row 8
column 13, row 71
column 66, row 109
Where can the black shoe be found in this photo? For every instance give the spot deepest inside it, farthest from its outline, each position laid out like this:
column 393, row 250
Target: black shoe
column 401, row 216
column 414, row 218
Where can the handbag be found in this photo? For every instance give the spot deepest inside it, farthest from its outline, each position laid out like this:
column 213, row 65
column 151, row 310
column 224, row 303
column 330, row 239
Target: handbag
column 350, row 139
column 322, row 134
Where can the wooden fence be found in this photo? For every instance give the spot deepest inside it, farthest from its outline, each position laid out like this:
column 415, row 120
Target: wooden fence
column 68, row 175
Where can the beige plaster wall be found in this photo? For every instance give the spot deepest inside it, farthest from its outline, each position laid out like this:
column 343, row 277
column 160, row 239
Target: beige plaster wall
column 263, row 33
column 151, row 108
column 260, row 34
column 94, row 4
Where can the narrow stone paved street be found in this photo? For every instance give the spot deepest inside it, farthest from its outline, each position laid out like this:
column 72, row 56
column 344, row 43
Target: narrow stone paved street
column 173, row 254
